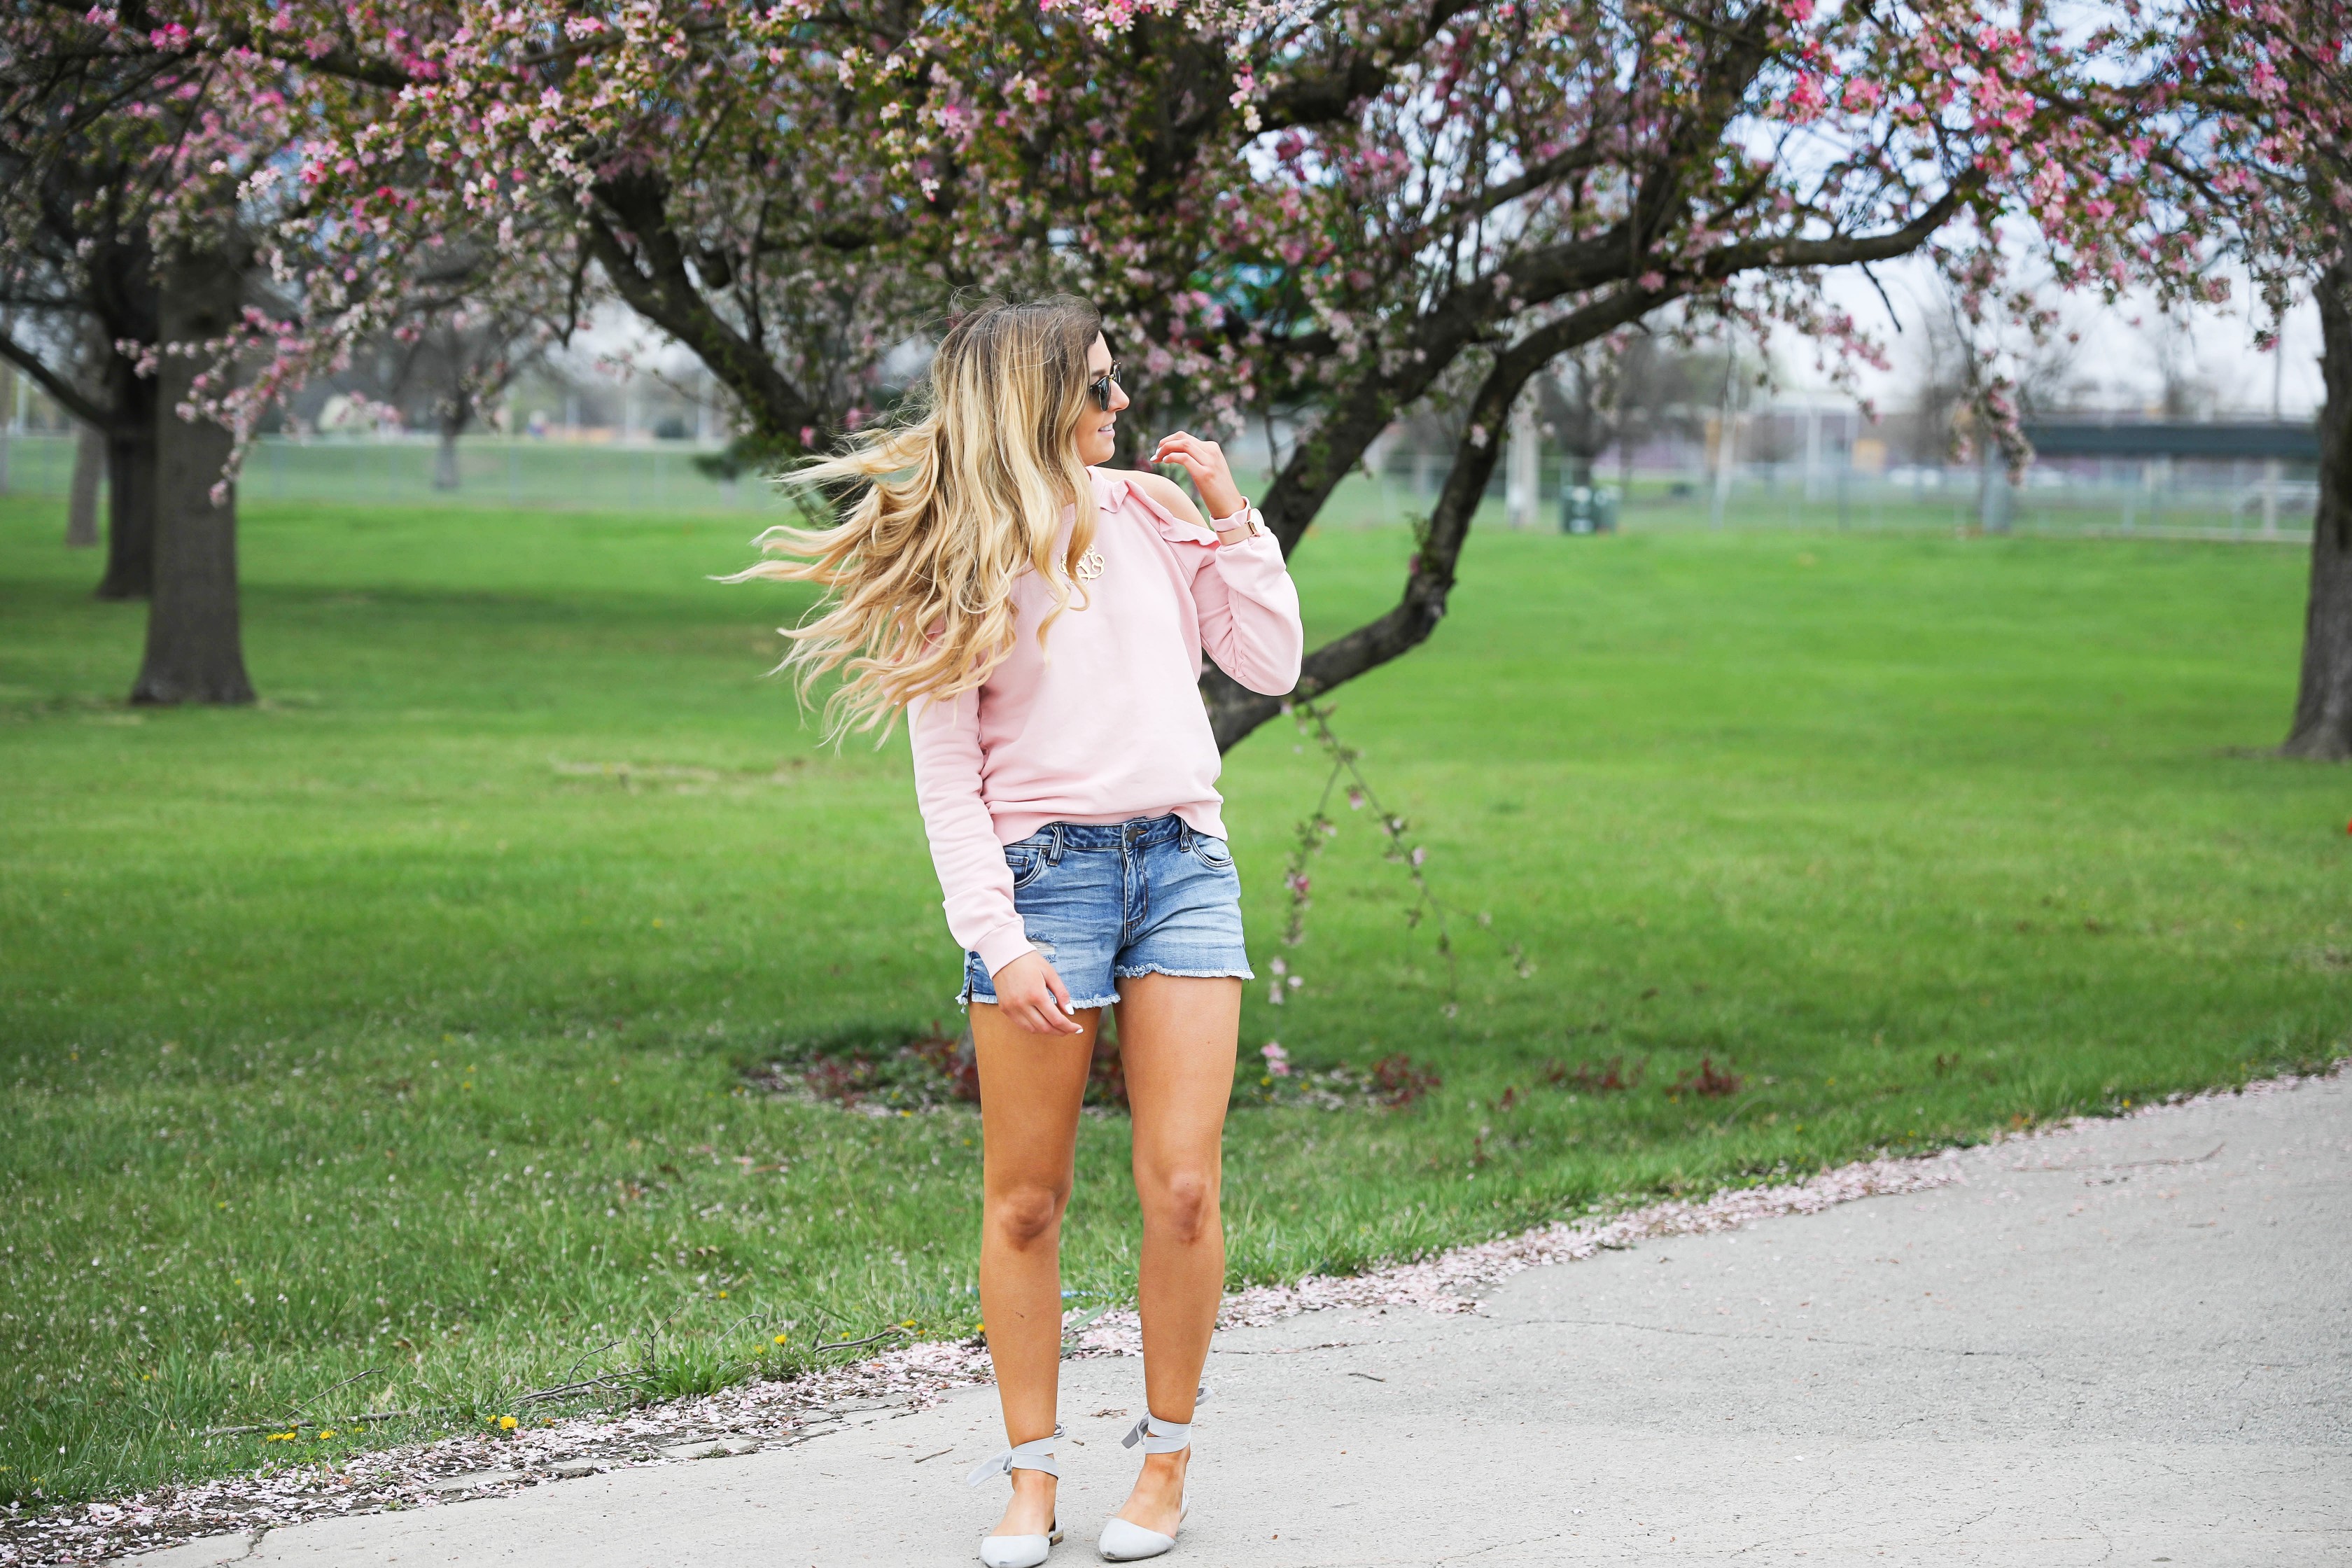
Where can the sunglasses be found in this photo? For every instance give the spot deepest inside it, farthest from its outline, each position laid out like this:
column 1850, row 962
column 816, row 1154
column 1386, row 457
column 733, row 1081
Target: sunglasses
column 1100, row 386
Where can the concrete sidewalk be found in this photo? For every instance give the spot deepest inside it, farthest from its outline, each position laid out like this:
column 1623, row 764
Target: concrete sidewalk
column 2129, row 1345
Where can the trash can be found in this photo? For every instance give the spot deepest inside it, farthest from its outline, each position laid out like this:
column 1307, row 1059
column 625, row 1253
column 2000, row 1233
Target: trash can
column 1588, row 509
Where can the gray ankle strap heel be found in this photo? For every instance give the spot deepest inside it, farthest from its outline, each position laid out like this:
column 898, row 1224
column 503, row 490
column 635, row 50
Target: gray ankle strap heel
column 1124, row 1540
column 1018, row 1550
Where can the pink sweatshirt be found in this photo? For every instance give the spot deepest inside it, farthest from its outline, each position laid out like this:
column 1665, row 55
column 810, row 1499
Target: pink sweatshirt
column 1105, row 722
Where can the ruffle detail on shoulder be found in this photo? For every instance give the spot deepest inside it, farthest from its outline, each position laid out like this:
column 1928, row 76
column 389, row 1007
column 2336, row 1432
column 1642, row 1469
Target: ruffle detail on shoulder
column 1112, row 490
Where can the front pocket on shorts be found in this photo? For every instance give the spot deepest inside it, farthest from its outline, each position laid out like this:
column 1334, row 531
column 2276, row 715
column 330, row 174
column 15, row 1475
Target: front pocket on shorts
column 1212, row 852
column 1026, row 864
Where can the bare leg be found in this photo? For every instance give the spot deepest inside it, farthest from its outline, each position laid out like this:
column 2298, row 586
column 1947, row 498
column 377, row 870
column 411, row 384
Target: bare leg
column 1031, row 1085
column 1177, row 1037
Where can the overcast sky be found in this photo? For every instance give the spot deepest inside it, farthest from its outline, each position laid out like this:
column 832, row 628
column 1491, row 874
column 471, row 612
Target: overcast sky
column 2118, row 360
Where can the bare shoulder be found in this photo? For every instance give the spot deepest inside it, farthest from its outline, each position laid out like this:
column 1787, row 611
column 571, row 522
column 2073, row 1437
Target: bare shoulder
column 1164, row 490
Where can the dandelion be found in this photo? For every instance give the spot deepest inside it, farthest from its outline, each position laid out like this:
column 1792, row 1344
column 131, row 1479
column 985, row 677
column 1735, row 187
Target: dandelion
column 280, row 1438
column 507, row 1423
column 782, row 1338
column 722, row 1295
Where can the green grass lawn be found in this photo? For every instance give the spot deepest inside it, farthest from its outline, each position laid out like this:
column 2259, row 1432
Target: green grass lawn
column 395, row 1029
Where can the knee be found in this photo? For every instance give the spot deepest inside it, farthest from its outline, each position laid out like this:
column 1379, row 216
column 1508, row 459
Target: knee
column 1026, row 1216
column 1185, row 1203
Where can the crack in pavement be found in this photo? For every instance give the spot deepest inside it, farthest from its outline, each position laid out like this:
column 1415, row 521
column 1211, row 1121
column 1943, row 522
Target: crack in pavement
column 1500, row 1546
column 2121, row 1164
column 2027, row 1357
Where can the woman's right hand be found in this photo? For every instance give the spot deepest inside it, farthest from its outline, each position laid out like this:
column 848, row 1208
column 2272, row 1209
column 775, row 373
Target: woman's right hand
column 1029, row 993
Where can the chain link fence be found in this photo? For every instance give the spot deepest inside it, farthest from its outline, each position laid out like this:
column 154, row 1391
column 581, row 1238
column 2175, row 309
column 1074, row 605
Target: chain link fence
column 2211, row 501
column 2242, row 503
column 492, row 472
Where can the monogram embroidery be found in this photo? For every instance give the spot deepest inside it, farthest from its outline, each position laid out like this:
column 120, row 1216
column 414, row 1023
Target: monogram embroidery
column 1090, row 564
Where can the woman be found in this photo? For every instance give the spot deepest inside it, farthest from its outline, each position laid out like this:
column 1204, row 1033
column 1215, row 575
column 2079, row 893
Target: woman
column 1041, row 619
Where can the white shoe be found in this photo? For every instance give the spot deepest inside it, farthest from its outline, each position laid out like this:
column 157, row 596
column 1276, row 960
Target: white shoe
column 1019, row 1550
column 1123, row 1540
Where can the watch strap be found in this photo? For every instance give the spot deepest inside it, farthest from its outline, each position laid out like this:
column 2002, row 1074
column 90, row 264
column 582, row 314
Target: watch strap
column 1245, row 515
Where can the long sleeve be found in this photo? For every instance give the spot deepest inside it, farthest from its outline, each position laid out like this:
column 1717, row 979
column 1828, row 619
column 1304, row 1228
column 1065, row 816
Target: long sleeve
column 1249, row 615
column 977, row 885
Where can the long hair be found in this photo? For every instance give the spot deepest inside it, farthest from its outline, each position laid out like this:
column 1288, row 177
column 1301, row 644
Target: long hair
column 946, row 507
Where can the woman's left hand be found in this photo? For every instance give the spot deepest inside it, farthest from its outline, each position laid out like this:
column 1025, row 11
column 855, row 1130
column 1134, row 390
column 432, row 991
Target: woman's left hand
column 1206, row 461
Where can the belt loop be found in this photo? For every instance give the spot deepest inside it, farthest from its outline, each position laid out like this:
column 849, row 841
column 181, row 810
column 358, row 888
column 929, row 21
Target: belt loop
column 1183, row 836
column 1053, row 851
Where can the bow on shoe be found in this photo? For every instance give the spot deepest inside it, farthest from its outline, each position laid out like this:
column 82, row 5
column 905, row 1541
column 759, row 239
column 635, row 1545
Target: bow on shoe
column 1159, row 1437
column 1037, row 1454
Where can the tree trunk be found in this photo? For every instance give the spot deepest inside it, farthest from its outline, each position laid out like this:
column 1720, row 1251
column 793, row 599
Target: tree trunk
column 194, row 650
column 130, row 493
column 2323, row 706
column 455, row 413
column 81, row 505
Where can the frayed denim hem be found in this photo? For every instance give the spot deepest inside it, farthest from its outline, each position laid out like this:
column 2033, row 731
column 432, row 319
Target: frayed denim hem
column 1136, row 971
column 965, row 998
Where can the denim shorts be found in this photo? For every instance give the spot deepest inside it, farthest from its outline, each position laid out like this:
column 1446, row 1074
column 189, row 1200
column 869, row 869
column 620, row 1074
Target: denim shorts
column 1108, row 902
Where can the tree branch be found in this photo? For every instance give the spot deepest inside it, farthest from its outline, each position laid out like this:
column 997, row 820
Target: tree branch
column 653, row 278
column 1234, row 711
column 72, row 401
column 1316, row 98
column 1842, row 250
column 1336, row 445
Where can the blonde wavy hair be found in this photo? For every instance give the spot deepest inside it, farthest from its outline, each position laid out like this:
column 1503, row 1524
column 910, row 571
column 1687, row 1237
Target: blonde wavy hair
column 944, row 509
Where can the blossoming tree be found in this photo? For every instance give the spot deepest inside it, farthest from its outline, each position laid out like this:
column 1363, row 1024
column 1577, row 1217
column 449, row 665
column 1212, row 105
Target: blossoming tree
column 2276, row 79
column 2226, row 145
column 77, row 277
column 147, row 200
column 133, row 150
column 1334, row 212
